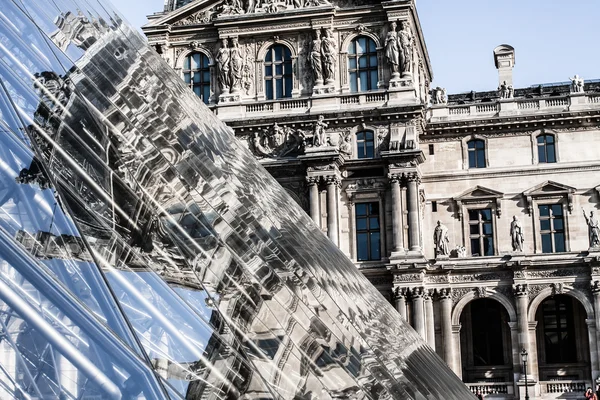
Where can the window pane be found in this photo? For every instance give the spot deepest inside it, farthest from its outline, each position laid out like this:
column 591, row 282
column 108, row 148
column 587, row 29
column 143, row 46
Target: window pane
column 488, row 244
column 205, row 93
column 196, row 63
column 542, row 154
column 374, row 208
column 487, row 229
column 352, row 48
column 551, row 155
column 352, row 64
column 278, row 88
column 481, row 159
column 486, row 214
column 197, row 78
column 557, row 209
column 373, row 81
column 361, row 209
column 370, row 150
column 198, row 90
column 268, row 70
column 361, row 45
column 269, row 56
column 544, row 211
column 186, row 63
column 545, row 224
column 471, row 144
column 361, row 224
column 475, row 251
column 363, row 81
column 549, row 139
column 269, row 89
column 559, row 242
column 369, row 135
column 474, row 229
column 278, row 53
column 375, row 246
column 288, row 88
column 558, row 225
column 546, row 243
column 187, row 77
column 353, row 82
column 473, row 215
column 479, row 144
column 360, row 136
column 373, row 61
column 362, row 250
column 472, row 163
column 362, row 62
column 279, row 69
column 360, row 147
column 287, row 70
column 540, row 139
column 374, row 223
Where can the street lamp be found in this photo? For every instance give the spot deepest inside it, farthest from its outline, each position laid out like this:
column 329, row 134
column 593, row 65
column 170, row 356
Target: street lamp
column 524, row 359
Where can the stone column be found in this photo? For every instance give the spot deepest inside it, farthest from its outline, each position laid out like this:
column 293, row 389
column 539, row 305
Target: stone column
column 419, row 312
column 447, row 339
column 332, row 208
column 400, row 298
column 313, row 195
column 591, row 325
column 413, row 212
column 396, row 213
column 429, row 323
column 522, row 300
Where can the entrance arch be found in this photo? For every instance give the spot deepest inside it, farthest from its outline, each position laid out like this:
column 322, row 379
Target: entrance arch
column 486, row 342
column 562, row 338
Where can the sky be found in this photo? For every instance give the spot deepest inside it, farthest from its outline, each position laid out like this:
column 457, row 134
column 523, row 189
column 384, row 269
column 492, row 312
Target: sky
column 553, row 39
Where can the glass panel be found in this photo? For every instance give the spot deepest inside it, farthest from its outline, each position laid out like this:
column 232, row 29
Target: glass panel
column 374, row 223
column 559, row 243
column 352, row 48
column 375, row 246
column 488, row 245
column 549, row 139
column 361, row 45
column 362, row 249
column 545, row 224
column 472, row 160
column 369, row 135
column 278, row 88
column 486, row 214
column 473, row 215
column 475, row 250
column 544, row 211
column 187, row 77
column 487, row 229
column 364, row 81
column 370, row 150
column 471, row 144
column 540, row 139
column 374, row 208
column 186, row 63
column 474, row 229
column 558, row 224
column 269, row 89
column 362, row 62
column 374, row 79
column 551, row 155
column 353, row 82
column 480, row 159
column 557, row 209
column 268, row 70
column 278, row 53
column 352, row 63
column 361, row 224
column 361, row 209
column 196, row 63
column 546, row 243
column 279, row 69
column 373, row 61
column 542, row 154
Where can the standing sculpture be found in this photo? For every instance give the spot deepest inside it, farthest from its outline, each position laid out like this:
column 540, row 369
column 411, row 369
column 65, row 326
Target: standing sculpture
column 405, row 40
column 328, row 51
column 315, row 59
column 439, row 96
column 319, row 132
column 223, row 62
column 236, row 65
column 441, row 240
column 516, row 234
column 577, row 84
column 392, row 51
column 593, row 229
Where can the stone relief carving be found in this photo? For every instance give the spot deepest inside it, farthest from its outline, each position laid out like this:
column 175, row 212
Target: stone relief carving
column 392, row 51
column 329, row 54
column 534, row 290
column 459, row 293
column 277, row 142
column 577, row 84
column 237, row 63
column 315, row 59
column 439, row 96
column 557, row 272
column 248, row 69
column 223, row 60
column 481, row 292
column 593, row 229
column 437, row 278
column 409, row 277
column 441, row 240
column 461, row 251
column 367, row 183
column 557, row 288
column 489, row 276
column 516, row 234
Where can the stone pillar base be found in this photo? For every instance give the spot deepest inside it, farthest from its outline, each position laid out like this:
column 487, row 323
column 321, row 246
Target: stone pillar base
column 533, row 389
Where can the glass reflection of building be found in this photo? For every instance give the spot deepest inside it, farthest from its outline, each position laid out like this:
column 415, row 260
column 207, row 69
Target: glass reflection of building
column 145, row 254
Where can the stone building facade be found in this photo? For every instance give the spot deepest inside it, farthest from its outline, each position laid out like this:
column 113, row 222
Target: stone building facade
column 464, row 210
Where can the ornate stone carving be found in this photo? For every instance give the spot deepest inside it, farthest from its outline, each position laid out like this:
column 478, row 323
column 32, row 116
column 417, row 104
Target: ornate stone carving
column 516, row 234
column 409, row 277
column 400, row 293
column 365, row 184
column 506, row 91
column 199, row 18
column 481, row 292
column 557, row 288
column 595, row 287
column 519, row 274
column 223, row 60
column 443, row 278
column 487, row 276
column 315, row 59
column 237, row 64
column 417, row 292
column 319, row 137
column 521, row 290
column 532, row 274
column 461, row 251
column 329, row 54
column 444, row 293
column 534, row 290
column 392, row 51
column 459, row 293
column 277, row 142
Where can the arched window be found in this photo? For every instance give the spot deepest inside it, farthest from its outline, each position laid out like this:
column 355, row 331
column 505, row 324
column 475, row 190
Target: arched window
column 476, row 153
column 559, row 330
column 278, row 72
column 546, row 149
column 365, row 144
column 196, row 73
column 362, row 59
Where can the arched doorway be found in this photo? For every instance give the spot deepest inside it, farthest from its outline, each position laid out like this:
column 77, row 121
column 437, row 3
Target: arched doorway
column 562, row 340
column 485, row 342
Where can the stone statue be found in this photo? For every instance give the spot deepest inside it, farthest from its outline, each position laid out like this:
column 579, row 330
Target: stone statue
column 461, row 251
column 315, row 59
column 277, row 142
column 236, row 65
column 439, row 96
column 577, row 84
column 405, row 40
column 511, row 91
column 392, row 51
column 223, row 62
column 441, row 240
column 319, row 132
column 593, row 229
column 503, row 90
column 516, row 234
column 328, row 52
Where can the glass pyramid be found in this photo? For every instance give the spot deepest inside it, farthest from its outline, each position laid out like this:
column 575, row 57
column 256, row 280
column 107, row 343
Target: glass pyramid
column 145, row 254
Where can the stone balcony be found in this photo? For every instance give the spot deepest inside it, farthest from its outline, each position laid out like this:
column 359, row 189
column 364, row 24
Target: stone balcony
column 514, row 107
column 315, row 105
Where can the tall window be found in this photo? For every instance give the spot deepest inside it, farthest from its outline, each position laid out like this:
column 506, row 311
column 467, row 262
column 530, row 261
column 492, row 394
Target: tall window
column 552, row 228
column 196, row 74
column 481, row 232
column 365, row 144
column 278, row 72
column 486, row 327
column 546, row 149
column 476, row 153
column 559, row 330
column 367, row 231
column 362, row 58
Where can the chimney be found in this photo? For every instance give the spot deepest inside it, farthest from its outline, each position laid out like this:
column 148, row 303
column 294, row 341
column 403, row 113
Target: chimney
column 504, row 58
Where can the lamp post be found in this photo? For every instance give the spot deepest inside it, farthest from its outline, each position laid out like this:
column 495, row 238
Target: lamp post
column 524, row 359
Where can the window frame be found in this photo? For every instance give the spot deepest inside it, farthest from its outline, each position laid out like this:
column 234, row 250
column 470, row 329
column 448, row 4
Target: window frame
column 270, row 80
column 192, row 71
column 545, row 146
column 570, row 328
column 465, row 150
column 481, row 235
column 368, row 230
column 534, row 146
column 364, row 141
column 552, row 232
column 371, row 51
column 477, row 152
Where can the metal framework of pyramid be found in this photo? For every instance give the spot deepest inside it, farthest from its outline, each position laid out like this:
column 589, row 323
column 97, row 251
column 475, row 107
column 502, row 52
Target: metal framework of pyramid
column 145, row 254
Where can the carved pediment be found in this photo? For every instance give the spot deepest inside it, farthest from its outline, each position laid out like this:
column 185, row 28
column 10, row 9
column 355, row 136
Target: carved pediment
column 479, row 194
column 549, row 190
